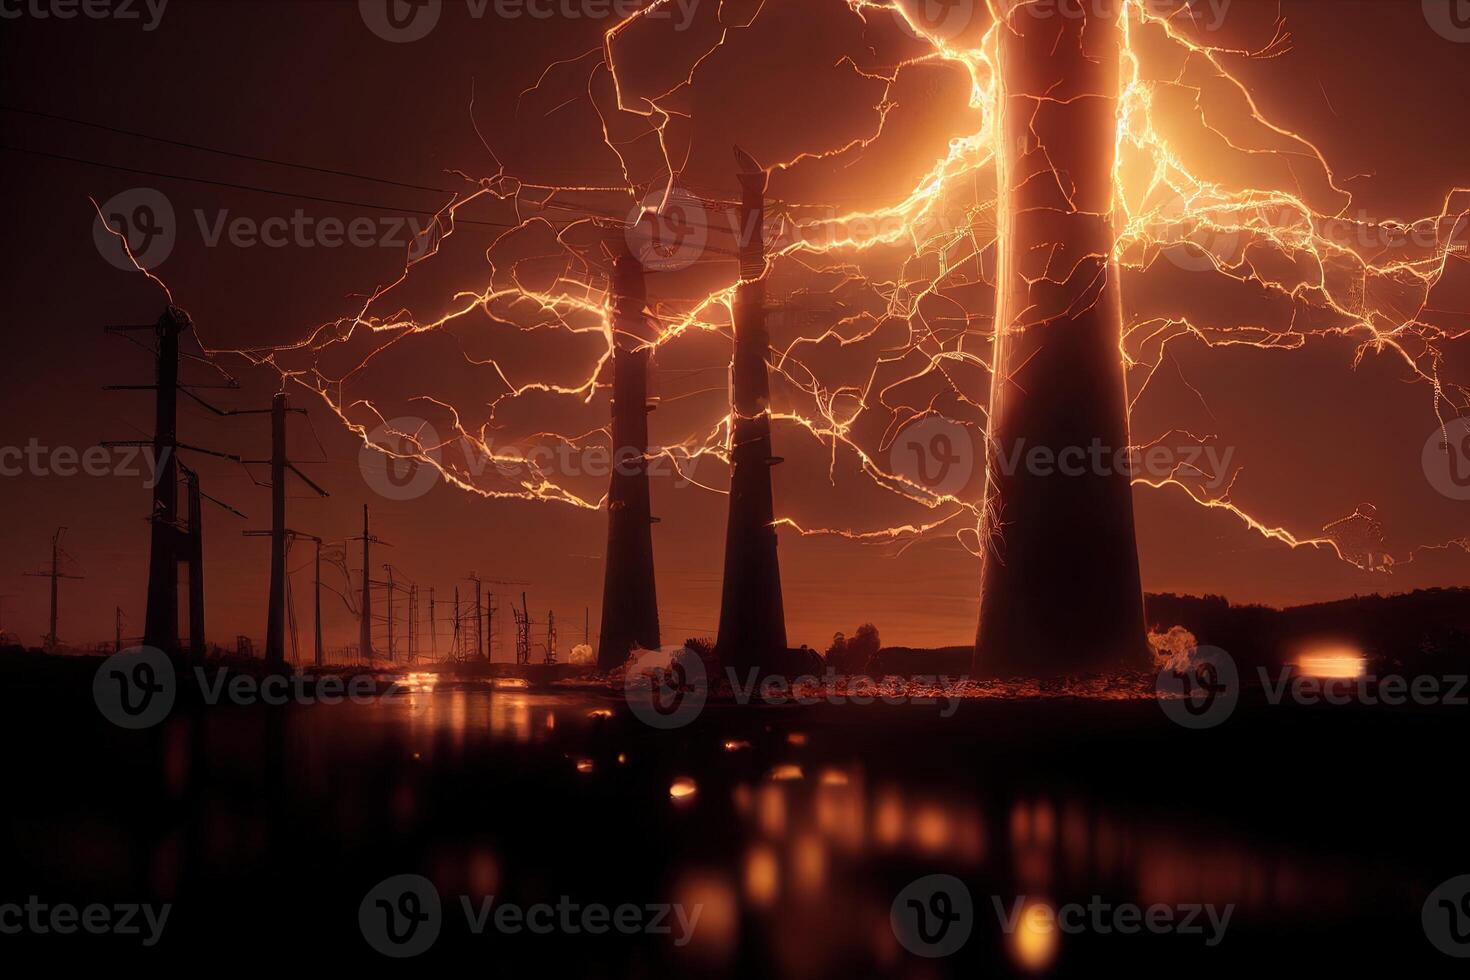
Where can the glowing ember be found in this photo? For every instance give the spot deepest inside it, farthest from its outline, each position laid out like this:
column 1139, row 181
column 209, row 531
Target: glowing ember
column 585, row 765
column 682, row 788
column 785, row 773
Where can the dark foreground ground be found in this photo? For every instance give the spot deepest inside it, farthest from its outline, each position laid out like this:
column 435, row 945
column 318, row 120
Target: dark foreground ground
column 265, row 829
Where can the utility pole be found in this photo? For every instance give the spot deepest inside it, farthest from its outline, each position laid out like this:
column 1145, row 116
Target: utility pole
column 275, row 627
column 479, row 638
column 491, row 607
column 117, row 628
column 523, row 641
column 389, row 570
column 551, row 637
column 365, row 627
column 433, row 633
column 317, row 603
column 413, row 618
column 50, row 641
column 454, row 651
column 170, row 543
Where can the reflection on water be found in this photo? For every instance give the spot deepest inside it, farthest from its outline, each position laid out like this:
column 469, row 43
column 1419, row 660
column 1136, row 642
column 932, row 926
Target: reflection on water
column 793, row 843
column 1332, row 662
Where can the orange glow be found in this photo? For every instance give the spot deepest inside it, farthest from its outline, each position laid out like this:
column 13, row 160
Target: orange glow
column 736, row 744
column 762, row 875
column 718, row 923
column 484, row 873
column 771, row 810
column 786, row 772
column 809, row 862
column 888, row 818
column 930, row 829
column 682, row 788
column 1034, row 943
column 1332, row 662
column 833, row 777
column 600, row 713
column 796, row 738
column 585, row 765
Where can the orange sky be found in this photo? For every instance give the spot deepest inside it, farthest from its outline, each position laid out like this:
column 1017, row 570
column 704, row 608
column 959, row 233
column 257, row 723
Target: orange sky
column 308, row 82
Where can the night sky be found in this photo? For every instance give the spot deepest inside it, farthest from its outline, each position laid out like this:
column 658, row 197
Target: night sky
column 1315, row 434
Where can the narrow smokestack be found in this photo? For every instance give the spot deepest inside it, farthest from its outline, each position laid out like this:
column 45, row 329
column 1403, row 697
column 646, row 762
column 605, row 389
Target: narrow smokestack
column 275, row 629
column 752, row 615
column 629, row 601
column 194, row 552
column 161, row 621
column 1060, row 589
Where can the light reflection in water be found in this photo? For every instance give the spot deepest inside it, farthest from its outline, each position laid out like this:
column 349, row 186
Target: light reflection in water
column 832, row 842
column 1033, row 945
column 1332, row 662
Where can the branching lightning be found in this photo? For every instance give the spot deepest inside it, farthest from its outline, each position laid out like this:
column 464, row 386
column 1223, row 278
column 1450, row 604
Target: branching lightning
column 1297, row 245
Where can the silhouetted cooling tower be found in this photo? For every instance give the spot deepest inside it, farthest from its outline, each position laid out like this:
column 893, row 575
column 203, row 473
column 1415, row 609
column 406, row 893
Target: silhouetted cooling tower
column 629, row 601
column 752, row 615
column 1060, row 589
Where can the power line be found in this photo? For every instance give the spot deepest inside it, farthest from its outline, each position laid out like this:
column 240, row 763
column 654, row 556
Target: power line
column 222, row 152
